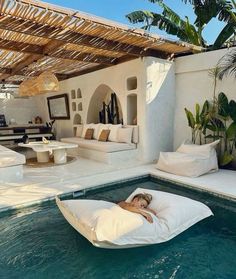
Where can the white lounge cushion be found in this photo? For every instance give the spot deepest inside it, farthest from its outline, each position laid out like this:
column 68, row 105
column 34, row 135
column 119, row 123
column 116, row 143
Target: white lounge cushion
column 113, row 136
column 99, row 145
column 204, row 149
column 107, row 225
column 191, row 165
column 10, row 158
column 125, row 135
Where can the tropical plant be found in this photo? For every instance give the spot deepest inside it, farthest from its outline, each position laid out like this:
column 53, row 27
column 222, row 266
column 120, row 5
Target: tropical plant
column 198, row 123
column 216, row 121
column 205, row 11
column 227, row 65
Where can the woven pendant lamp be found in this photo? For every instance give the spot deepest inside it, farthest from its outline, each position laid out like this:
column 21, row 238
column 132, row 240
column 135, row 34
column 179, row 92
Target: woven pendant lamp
column 45, row 83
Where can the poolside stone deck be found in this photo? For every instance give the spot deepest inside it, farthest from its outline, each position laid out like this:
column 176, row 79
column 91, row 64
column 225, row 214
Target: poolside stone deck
column 41, row 184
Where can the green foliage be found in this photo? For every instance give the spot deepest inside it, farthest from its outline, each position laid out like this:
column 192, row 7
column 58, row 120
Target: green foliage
column 199, row 122
column 205, row 11
column 227, row 65
column 217, row 120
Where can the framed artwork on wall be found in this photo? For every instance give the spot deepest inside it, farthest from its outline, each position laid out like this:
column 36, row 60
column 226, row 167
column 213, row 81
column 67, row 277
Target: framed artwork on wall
column 58, row 107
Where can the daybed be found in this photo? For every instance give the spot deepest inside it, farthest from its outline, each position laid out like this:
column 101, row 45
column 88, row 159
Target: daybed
column 11, row 164
column 121, row 144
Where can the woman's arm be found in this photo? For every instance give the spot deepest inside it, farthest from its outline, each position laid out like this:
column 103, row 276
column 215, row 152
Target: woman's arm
column 134, row 209
column 150, row 210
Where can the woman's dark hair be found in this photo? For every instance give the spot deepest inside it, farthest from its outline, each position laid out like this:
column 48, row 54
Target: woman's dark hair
column 145, row 196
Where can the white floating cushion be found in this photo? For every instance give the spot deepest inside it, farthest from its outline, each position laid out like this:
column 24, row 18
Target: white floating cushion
column 113, row 136
column 107, row 225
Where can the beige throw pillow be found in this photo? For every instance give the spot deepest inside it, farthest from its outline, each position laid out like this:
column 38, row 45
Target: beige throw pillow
column 104, row 135
column 89, row 134
column 85, row 127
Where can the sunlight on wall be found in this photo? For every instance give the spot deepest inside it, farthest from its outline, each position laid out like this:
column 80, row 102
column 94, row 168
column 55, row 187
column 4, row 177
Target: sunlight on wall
column 156, row 74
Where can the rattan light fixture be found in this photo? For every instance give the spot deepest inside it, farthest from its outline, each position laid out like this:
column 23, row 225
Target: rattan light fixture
column 45, row 83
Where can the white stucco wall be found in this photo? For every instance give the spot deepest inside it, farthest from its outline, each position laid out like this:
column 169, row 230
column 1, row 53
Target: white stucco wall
column 160, row 103
column 21, row 110
column 194, row 85
column 155, row 101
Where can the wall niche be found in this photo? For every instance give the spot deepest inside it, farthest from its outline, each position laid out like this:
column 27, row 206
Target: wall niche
column 132, row 83
column 132, row 109
column 73, row 106
column 80, row 107
column 73, row 95
column 79, row 94
column 77, row 119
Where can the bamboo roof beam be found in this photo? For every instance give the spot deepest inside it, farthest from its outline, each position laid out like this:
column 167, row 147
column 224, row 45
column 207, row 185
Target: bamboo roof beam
column 68, row 36
column 55, row 52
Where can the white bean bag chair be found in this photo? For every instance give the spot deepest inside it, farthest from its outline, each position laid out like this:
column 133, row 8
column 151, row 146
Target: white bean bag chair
column 107, row 225
column 190, row 160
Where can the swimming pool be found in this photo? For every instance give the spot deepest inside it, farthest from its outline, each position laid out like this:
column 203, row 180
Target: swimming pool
column 37, row 242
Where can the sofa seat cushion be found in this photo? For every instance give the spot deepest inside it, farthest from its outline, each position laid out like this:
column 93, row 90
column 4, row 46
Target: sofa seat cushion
column 10, row 158
column 107, row 146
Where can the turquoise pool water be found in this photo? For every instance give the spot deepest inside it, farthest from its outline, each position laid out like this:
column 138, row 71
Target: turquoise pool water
column 37, row 242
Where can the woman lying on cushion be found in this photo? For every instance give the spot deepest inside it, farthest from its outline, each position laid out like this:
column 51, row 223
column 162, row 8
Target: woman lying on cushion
column 139, row 202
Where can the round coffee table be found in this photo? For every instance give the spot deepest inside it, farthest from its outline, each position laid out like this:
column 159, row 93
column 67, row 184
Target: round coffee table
column 43, row 150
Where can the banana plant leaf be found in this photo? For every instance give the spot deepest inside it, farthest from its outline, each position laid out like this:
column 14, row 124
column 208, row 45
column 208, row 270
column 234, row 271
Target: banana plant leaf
column 190, row 117
column 231, row 131
column 226, row 159
column 197, row 108
column 232, row 110
column 227, row 32
column 223, row 105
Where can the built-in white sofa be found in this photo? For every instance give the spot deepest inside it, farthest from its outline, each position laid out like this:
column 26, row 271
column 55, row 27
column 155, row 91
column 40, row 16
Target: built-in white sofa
column 111, row 152
column 11, row 164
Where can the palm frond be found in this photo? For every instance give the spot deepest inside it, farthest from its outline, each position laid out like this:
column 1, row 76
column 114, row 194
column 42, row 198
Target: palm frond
column 226, row 33
column 140, row 16
column 227, row 65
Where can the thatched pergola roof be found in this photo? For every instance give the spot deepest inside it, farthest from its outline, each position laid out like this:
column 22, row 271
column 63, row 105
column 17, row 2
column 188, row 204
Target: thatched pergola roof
column 36, row 36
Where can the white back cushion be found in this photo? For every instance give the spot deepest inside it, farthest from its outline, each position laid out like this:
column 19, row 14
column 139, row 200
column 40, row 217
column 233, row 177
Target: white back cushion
column 125, row 135
column 79, row 131
column 96, row 128
column 135, row 134
column 114, row 226
column 203, row 149
column 113, row 136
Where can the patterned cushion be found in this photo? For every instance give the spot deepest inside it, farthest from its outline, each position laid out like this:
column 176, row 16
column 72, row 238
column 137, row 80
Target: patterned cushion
column 89, row 134
column 104, row 135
